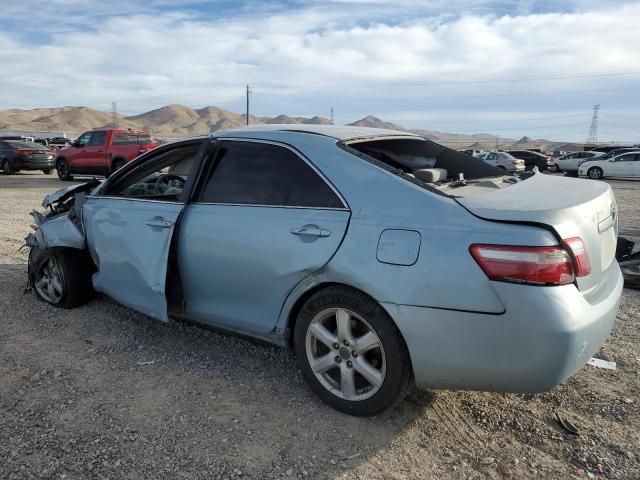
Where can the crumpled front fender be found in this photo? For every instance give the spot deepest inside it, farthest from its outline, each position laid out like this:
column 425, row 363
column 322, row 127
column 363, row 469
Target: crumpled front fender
column 62, row 226
column 60, row 231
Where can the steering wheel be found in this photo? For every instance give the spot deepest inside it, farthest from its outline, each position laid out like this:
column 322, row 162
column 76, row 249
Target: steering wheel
column 167, row 179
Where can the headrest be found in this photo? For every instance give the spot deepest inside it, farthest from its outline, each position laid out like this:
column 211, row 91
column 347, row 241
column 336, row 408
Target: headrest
column 431, row 175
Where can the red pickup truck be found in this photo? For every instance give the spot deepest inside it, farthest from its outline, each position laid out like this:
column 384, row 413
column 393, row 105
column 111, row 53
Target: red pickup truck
column 101, row 152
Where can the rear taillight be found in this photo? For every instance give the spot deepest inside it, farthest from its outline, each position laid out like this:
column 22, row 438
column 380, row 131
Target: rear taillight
column 555, row 265
column 24, row 152
column 531, row 265
column 582, row 262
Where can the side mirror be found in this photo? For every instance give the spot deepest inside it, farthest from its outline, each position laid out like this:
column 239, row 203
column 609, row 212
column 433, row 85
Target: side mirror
column 76, row 144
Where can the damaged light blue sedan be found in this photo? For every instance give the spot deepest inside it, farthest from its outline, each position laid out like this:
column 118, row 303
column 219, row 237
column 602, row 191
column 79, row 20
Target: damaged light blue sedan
column 382, row 258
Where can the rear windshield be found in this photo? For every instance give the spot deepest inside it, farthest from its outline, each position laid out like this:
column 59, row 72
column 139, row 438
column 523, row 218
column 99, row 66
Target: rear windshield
column 131, row 139
column 26, row 145
column 412, row 154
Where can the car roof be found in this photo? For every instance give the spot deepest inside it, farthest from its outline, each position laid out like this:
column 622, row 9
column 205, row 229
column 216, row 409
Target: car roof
column 339, row 132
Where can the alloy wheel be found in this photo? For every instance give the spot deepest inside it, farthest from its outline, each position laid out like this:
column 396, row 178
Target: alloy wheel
column 345, row 354
column 63, row 170
column 48, row 281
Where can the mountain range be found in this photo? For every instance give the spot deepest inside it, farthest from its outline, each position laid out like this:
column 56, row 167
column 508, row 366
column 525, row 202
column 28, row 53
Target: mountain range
column 181, row 121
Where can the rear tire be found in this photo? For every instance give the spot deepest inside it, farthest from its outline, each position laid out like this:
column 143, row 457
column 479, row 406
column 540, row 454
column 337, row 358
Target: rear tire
column 595, row 173
column 47, row 171
column 61, row 276
column 370, row 369
column 7, row 167
column 62, row 167
column 117, row 165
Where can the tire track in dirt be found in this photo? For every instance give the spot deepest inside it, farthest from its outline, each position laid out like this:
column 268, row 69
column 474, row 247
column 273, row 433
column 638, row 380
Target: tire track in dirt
column 453, row 419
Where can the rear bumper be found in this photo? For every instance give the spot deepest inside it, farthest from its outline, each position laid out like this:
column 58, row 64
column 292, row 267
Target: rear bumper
column 545, row 335
column 33, row 164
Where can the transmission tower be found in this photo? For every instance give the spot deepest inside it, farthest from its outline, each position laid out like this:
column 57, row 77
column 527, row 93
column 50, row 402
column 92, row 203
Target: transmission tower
column 331, row 117
column 114, row 114
column 593, row 129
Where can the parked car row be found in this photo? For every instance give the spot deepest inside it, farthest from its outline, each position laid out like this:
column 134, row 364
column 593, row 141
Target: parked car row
column 97, row 152
column 101, row 152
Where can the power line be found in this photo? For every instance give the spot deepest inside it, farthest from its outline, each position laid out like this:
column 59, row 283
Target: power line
column 479, row 119
column 522, row 94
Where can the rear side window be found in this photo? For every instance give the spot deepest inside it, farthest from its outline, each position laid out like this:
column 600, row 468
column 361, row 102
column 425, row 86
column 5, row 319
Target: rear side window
column 252, row 173
column 130, row 139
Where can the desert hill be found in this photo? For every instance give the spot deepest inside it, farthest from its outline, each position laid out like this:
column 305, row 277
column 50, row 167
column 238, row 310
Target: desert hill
column 182, row 121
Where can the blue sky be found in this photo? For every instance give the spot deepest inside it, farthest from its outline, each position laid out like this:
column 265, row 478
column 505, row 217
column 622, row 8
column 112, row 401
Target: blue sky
column 511, row 68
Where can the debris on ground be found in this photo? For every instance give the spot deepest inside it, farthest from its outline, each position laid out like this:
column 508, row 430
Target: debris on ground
column 599, row 363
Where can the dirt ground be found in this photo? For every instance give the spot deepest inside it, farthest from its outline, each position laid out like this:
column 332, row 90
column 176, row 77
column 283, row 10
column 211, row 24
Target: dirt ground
column 104, row 392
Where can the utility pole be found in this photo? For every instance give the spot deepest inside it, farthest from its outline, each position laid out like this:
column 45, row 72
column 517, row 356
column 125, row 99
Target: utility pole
column 592, row 137
column 248, row 93
column 497, row 138
column 114, row 114
column 331, row 117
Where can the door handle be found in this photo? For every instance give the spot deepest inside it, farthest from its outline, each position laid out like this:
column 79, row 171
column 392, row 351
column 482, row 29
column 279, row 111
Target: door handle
column 310, row 230
column 159, row 223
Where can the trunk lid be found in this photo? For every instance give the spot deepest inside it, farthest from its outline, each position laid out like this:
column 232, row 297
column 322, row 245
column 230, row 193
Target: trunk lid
column 572, row 207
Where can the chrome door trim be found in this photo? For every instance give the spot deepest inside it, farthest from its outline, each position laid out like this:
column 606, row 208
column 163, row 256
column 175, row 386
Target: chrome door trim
column 270, row 206
column 130, row 199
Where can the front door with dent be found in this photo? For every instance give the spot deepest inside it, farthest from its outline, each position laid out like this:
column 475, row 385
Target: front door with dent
column 265, row 219
column 129, row 226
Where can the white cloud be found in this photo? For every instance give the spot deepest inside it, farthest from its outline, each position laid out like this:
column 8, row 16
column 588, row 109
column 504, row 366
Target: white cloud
column 152, row 56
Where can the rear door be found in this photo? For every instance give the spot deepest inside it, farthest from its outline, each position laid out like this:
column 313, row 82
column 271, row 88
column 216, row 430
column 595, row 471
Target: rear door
column 263, row 220
column 129, row 226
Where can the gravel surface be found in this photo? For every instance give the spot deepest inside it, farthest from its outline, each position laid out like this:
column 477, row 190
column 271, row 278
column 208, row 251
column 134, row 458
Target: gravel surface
column 104, row 392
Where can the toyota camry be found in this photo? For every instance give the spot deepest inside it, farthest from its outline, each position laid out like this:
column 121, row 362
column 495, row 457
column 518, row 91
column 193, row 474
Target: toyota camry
column 381, row 258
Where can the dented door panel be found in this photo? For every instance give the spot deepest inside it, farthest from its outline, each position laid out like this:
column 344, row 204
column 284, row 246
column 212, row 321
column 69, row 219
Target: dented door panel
column 238, row 263
column 129, row 241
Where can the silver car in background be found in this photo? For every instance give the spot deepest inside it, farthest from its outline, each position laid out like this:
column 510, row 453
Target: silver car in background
column 503, row 161
column 381, row 258
column 571, row 161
